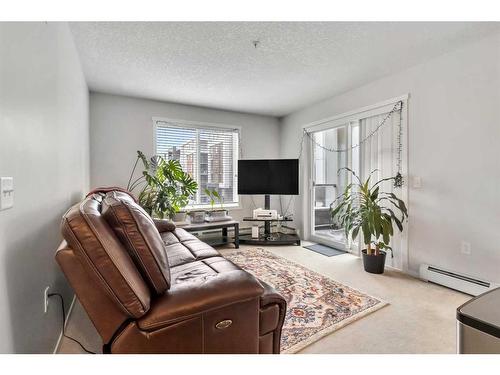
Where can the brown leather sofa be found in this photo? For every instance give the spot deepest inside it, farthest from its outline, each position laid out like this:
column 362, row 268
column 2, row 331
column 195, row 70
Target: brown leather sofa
column 149, row 287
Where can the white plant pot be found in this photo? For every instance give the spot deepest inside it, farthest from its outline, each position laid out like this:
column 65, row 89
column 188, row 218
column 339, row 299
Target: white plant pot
column 217, row 213
column 179, row 217
column 197, row 217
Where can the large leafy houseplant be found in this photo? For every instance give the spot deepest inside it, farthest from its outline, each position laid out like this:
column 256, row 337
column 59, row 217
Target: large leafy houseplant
column 164, row 188
column 363, row 207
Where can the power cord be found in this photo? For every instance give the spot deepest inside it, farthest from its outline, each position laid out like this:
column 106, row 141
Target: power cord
column 64, row 323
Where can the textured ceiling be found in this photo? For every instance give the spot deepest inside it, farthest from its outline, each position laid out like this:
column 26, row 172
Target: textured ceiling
column 215, row 64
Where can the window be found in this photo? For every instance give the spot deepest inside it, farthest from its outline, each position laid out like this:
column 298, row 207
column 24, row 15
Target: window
column 208, row 153
column 217, row 163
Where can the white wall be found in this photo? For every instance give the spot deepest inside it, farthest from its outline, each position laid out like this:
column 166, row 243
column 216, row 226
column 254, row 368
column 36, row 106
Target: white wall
column 454, row 130
column 44, row 146
column 119, row 126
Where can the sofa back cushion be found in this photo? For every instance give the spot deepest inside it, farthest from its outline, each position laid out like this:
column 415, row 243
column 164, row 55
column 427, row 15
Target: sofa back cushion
column 137, row 231
column 104, row 257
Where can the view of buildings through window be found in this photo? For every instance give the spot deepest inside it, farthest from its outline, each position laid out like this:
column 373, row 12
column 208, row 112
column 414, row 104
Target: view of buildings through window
column 208, row 154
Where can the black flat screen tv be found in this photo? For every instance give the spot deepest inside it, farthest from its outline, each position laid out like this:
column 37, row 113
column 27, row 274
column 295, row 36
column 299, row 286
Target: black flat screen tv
column 269, row 177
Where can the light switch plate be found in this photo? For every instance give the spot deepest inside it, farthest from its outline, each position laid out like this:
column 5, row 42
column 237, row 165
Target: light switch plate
column 6, row 192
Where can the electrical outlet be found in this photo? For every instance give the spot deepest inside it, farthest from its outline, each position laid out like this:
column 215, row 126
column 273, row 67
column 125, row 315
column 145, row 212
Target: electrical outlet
column 46, row 300
column 6, row 193
column 465, row 248
column 417, row 182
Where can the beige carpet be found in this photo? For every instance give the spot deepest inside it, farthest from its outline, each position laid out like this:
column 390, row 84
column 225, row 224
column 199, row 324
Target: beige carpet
column 316, row 304
column 419, row 319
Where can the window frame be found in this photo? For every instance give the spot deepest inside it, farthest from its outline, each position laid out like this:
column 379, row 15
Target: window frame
column 203, row 125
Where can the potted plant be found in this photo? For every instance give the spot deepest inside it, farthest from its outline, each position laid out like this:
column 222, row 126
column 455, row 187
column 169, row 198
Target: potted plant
column 363, row 207
column 164, row 188
column 197, row 216
column 215, row 214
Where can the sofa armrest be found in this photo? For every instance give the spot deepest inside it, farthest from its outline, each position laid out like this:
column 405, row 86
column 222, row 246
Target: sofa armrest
column 271, row 296
column 191, row 299
column 164, row 225
column 271, row 319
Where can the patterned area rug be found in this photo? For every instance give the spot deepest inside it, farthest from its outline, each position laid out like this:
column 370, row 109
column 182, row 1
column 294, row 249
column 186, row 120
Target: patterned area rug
column 317, row 305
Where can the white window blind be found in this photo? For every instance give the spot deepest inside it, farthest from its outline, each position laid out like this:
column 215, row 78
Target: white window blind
column 209, row 154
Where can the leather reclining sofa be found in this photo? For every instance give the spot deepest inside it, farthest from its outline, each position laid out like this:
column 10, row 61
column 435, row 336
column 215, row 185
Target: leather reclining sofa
column 149, row 287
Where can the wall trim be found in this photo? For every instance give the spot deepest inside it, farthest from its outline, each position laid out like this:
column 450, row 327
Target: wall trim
column 70, row 310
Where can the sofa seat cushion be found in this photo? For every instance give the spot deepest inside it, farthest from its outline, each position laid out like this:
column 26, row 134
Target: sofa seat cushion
column 182, row 247
column 200, row 270
column 137, row 231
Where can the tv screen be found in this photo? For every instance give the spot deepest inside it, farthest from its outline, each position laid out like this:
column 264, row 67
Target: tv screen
column 271, row 176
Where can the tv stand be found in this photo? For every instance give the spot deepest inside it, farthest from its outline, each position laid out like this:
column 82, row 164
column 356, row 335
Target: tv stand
column 270, row 238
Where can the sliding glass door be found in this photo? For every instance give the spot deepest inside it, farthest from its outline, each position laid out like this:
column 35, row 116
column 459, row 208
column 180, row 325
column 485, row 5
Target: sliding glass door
column 370, row 141
column 331, row 154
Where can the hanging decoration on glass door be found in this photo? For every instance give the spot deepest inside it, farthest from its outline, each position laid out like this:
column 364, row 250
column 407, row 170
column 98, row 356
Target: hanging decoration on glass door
column 398, row 181
column 398, row 108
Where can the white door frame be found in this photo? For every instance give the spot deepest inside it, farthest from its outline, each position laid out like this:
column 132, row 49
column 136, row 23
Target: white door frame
column 343, row 119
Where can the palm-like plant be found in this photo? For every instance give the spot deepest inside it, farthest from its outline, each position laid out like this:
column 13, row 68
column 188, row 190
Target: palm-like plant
column 366, row 208
column 164, row 187
column 214, row 195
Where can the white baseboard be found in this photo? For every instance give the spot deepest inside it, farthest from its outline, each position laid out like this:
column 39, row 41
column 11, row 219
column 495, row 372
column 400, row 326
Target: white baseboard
column 70, row 310
column 413, row 274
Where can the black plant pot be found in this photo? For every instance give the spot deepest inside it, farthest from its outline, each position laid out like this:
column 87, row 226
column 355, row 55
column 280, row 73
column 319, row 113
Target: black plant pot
column 374, row 263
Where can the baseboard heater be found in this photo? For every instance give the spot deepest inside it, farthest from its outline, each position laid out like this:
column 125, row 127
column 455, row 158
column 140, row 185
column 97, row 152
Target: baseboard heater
column 454, row 280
